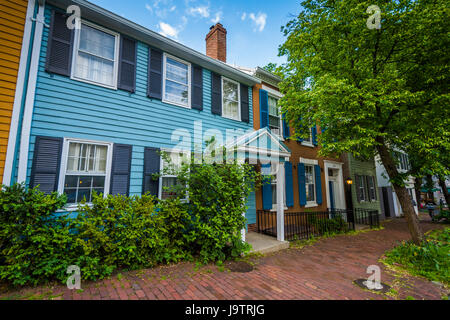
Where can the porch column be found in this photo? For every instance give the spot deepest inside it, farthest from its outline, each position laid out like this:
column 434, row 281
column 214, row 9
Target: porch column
column 280, row 202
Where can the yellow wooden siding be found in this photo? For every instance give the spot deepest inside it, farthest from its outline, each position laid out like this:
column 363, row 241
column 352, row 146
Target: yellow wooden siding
column 12, row 23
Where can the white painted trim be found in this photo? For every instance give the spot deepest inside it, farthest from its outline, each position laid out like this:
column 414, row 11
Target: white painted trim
column 189, row 105
column 63, row 166
column 13, row 131
column 280, row 136
column 280, row 205
column 340, row 181
column 309, row 161
column 239, row 98
column 30, row 95
column 273, row 92
column 116, row 56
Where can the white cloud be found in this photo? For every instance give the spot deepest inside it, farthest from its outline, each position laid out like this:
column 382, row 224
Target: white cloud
column 167, row 30
column 201, row 11
column 244, row 15
column 149, row 7
column 217, row 17
column 160, row 7
column 259, row 20
column 173, row 8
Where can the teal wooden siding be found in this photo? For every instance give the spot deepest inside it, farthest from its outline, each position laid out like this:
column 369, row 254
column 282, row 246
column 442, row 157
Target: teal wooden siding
column 74, row 109
column 251, row 211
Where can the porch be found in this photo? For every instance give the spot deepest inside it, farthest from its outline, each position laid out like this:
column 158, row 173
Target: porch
column 262, row 243
column 305, row 225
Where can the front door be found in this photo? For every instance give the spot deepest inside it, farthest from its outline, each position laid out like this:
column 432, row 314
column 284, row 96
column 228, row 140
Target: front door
column 332, row 195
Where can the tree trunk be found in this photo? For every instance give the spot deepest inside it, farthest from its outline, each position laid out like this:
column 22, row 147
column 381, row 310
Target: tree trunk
column 417, row 187
column 444, row 190
column 402, row 194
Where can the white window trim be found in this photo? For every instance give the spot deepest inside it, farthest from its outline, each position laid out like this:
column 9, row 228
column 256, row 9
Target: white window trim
column 281, row 135
column 161, row 168
column 274, row 205
column 62, row 172
column 116, row 56
column 313, row 163
column 309, row 143
column 239, row 98
column 188, row 105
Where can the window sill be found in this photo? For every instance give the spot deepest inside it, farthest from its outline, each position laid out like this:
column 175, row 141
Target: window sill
column 239, row 120
column 311, row 205
column 94, row 83
column 176, row 104
column 306, row 144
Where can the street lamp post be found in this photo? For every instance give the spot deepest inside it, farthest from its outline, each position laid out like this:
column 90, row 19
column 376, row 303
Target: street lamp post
column 350, row 211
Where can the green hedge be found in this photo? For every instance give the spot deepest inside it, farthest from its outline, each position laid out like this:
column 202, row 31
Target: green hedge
column 119, row 232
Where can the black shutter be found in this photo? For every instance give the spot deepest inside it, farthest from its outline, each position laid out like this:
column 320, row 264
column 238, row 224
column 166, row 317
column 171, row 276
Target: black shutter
column 60, row 45
column 46, row 164
column 197, row 88
column 245, row 114
column 120, row 171
column 155, row 74
column 216, row 94
column 152, row 162
column 127, row 64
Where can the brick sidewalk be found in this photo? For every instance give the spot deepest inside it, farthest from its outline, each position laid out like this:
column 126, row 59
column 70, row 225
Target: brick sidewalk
column 325, row 270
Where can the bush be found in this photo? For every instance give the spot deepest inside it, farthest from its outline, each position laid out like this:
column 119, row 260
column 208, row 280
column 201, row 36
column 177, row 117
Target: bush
column 325, row 225
column 33, row 240
column 112, row 232
column 431, row 259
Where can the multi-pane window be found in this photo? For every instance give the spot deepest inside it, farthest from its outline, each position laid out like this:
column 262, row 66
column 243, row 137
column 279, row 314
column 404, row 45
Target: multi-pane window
column 403, row 162
column 372, row 192
column 361, row 188
column 96, row 56
column 176, row 81
column 308, row 141
column 310, row 183
column 170, row 186
column 366, row 188
column 230, row 99
column 274, row 116
column 85, row 171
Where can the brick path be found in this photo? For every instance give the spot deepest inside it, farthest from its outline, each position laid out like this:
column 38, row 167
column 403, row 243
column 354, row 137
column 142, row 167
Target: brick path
column 325, row 270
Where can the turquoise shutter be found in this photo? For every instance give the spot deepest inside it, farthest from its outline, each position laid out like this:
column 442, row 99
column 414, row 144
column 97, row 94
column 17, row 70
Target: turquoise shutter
column 302, row 184
column 264, row 108
column 318, row 184
column 314, row 135
column 289, row 184
column 286, row 132
column 267, row 192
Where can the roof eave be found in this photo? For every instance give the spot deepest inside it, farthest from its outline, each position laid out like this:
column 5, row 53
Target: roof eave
column 111, row 20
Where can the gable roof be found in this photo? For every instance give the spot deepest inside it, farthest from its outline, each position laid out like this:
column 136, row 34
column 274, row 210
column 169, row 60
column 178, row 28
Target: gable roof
column 101, row 16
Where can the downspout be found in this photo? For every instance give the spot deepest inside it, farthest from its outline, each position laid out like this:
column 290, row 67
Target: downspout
column 30, row 95
column 18, row 98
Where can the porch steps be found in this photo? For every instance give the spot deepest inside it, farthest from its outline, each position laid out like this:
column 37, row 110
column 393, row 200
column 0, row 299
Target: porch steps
column 264, row 244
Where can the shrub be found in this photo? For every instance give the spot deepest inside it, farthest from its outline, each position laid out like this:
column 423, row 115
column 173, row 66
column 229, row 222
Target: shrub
column 325, row 225
column 431, row 259
column 33, row 240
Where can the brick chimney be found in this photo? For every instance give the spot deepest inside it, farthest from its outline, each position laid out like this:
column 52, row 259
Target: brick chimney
column 216, row 42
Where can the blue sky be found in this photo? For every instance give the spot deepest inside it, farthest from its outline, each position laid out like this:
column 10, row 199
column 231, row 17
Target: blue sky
column 254, row 27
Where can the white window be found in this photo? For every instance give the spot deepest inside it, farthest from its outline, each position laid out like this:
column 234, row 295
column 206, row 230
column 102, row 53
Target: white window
column 310, row 180
column 177, row 82
column 85, row 168
column 372, row 190
column 95, row 58
column 169, row 184
column 231, row 99
column 275, row 121
column 274, row 194
column 308, row 141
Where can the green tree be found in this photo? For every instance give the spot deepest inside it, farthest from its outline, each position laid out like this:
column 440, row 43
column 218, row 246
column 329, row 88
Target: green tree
column 375, row 90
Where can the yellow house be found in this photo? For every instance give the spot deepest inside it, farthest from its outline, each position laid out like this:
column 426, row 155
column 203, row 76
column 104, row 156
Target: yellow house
column 12, row 28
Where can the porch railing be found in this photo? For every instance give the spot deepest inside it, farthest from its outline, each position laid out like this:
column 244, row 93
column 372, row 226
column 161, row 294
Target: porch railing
column 304, row 225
